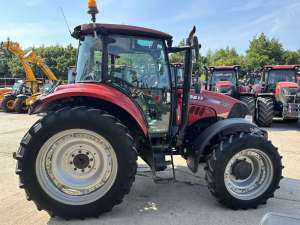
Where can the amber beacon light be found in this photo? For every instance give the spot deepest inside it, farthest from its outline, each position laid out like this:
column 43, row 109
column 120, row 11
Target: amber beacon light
column 93, row 9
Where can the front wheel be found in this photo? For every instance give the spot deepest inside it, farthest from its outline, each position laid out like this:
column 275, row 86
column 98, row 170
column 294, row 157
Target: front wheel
column 250, row 102
column 8, row 103
column 264, row 111
column 20, row 105
column 77, row 163
column 243, row 171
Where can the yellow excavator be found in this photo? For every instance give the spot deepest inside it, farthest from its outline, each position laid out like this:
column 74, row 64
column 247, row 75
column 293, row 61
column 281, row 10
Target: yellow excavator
column 26, row 92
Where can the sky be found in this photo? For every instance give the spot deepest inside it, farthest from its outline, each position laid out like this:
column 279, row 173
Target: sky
column 219, row 23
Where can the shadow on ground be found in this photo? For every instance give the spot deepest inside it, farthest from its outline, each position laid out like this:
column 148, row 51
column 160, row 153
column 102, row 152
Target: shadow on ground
column 280, row 125
column 186, row 201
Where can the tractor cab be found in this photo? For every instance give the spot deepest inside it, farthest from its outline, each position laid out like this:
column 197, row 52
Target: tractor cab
column 223, row 79
column 282, row 75
column 132, row 60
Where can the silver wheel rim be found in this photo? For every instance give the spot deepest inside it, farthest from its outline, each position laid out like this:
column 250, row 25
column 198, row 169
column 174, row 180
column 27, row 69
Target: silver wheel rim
column 258, row 180
column 76, row 166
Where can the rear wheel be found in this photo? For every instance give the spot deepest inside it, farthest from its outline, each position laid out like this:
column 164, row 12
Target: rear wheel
column 264, row 112
column 20, row 105
column 8, row 103
column 243, row 171
column 77, row 163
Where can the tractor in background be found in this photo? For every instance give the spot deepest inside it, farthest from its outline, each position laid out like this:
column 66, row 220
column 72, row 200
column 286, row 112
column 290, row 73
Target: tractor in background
column 278, row 94
column 225, row 80
column 80, row 159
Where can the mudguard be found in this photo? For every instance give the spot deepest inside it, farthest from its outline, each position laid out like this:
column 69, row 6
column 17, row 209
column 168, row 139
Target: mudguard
column 102, row 92
column 221, row 127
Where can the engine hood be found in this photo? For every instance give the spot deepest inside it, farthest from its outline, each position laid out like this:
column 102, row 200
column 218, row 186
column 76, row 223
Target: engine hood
column 281, row 85
column 225, row 84
column 224, row 106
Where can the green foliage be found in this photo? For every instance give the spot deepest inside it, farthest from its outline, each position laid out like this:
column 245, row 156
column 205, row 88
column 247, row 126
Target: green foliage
column 178, row 57
column 58, row 59
column 264, row 51
column 226, row 57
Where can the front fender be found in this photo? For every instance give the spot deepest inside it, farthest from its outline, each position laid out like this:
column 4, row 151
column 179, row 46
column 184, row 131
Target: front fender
column 101, row 92
column 223, row 127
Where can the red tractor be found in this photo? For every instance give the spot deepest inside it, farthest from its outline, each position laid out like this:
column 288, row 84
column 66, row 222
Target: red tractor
column 225, row 80
column 278, row 94
column 80, row 159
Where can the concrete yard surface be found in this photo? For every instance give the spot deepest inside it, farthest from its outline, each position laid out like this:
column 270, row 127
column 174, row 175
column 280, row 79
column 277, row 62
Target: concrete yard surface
column 185, row 201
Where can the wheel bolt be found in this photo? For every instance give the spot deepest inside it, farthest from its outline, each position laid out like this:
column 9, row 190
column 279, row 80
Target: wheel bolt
column 72, row 155
column 75, row 169
column 79, row 151
column 71, row 162
column 91, row 159
column 89, row 167
column 87, row 153
column 82, row 170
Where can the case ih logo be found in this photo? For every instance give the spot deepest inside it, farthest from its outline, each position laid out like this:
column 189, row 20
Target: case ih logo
column 196, row 97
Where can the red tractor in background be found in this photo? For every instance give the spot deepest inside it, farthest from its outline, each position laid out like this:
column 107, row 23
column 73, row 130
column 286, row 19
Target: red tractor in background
column 225, row 80
column 80, row 159
column 278, row 94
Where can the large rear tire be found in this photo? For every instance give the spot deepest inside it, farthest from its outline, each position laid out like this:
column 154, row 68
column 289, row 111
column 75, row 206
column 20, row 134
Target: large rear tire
column 264, row 112
column 8, row 103
column 20, row 105
column 243, row 171
column 77, row 163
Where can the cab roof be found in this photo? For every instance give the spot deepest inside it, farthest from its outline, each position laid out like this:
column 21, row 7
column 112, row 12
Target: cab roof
column 282, row 67
column 119, row 29
column 224, row 67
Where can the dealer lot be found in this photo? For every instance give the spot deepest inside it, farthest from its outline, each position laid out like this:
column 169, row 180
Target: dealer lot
column 186, row 201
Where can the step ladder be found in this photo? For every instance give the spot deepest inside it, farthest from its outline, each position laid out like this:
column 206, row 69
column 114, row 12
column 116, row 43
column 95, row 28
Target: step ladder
column 160, row 164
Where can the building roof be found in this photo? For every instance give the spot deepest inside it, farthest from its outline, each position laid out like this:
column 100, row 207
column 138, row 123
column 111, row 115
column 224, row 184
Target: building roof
column 119, row 29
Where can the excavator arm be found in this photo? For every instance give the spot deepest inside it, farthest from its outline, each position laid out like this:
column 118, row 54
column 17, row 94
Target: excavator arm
column 33, row 58
column 16, row 49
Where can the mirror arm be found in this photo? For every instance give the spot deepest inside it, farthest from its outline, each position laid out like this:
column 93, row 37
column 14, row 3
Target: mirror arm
column 178, row 49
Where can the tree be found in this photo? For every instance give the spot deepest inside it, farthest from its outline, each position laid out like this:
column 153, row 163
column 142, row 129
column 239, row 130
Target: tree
column 224, row 57
column 178, row 57
column 263, row 51
column 291, row 57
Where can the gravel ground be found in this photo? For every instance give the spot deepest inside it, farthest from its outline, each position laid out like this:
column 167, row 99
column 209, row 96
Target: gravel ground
column 186, row 201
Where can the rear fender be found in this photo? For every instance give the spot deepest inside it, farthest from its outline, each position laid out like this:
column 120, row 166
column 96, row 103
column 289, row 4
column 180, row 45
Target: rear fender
column 68, row 94
column 220, row 128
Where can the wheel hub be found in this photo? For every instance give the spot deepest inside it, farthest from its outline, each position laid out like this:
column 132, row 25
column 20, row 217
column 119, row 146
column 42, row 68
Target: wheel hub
column 248, row 174
column 81, row 161
column 76, row 166
column 241, row 169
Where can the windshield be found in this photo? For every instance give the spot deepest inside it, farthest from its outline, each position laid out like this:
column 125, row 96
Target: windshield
column 138, row 61
column 223, row 76
column 89, row 60
column 16, row 86
column 276, row 76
